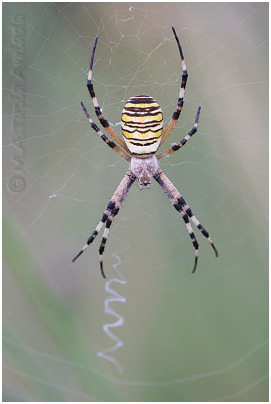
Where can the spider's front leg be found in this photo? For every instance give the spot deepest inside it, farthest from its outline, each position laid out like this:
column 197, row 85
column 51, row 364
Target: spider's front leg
column 181, row 206
column 108, row 215
column 119, row 196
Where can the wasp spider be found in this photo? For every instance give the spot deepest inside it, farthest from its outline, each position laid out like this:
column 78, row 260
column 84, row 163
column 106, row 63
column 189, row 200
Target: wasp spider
column 142, row 130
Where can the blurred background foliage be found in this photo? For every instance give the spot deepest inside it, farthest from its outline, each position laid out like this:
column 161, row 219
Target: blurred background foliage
column 185, row 337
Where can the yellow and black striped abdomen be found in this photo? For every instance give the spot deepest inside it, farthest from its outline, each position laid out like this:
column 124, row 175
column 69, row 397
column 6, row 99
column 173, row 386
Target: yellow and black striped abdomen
column 142, row 125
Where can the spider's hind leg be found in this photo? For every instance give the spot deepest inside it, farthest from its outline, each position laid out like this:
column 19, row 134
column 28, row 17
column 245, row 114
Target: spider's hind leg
column 104, row 122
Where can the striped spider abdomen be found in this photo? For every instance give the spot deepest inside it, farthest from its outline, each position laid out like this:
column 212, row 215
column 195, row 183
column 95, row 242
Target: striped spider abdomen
column 142, row 125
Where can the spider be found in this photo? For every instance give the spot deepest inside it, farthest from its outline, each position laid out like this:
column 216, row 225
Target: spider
column 142, row 130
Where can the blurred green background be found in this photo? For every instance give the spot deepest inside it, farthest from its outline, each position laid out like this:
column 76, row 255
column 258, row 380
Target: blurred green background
column 201, row 337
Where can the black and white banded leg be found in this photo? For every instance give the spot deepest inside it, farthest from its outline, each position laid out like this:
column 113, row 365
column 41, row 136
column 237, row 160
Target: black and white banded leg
column 188, row 210
column 97, row 108
column 178, row 110
column 108, row 215
column 110, row 143
column 111, row 217
column 181, row 206
column 177, row 146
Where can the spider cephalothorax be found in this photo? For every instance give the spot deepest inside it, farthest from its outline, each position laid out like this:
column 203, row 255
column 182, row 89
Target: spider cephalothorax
column 142, row 130
column 144, row 169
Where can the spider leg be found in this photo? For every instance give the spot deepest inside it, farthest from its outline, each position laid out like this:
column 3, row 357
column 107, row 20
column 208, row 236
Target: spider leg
column 106, row 213
column 111, row 210
column 176, row 147
column 181, row 206
column 178, row 110
column 98, row 112
column 187, row 209
column 110, row 218
column 105, row 138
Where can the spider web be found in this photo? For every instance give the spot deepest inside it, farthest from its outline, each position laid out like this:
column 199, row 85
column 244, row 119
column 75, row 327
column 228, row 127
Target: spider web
column 151, row 331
